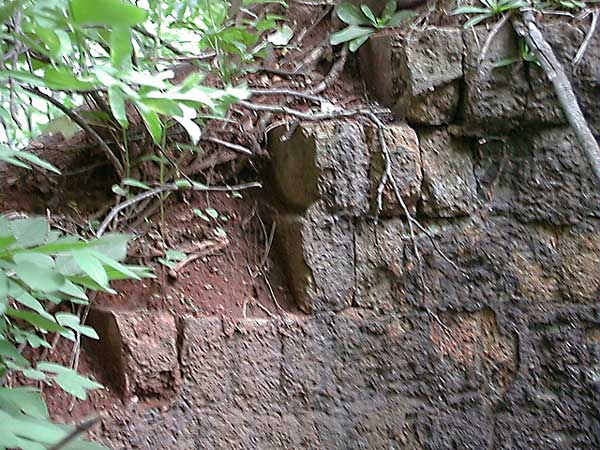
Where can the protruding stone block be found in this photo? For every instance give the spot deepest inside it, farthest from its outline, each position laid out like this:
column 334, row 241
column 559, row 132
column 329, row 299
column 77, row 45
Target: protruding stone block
column 495, row 97
column 449, row 187
column 318, row 251
column 403, row 145
column 417, row 75
column 140, row 358
column 328, row 161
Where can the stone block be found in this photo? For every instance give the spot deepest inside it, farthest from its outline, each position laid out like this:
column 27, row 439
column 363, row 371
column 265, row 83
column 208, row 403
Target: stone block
column 328, row 161
column 403, row 145
column 430, row 58
column 494, row 97
column 379, row 263
column 449, row 186
column 417, row 75
column 317, row 250
column 142, row 359
column 429, row 68
column 545, row 177
column 437, row 107
column 579, row 249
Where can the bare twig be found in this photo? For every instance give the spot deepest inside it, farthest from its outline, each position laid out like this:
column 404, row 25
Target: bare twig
column 206, row 248
column 588, row 38
column 75, row 117
column 491, row 35
column 167, row 188
column 79, row 430
column 289, row 92
column 308, row 116
column 527, row 28
column 229, row 145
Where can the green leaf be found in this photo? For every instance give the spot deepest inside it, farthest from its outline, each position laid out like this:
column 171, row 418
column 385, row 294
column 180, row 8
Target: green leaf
column 9, row 351
column 281, row 37
column 25, row 399
column 351, row 15
column 91, row 266
column 116, row 99
column 350, row 33
column 123, row 270
column 63, row 79
column 69, row 380
column 475, row 20
column 356, row 43
column 152, row 122
column 114, row 13
column 212, row 212
column 389, row 10
column 469, row 9
column 30, row 232
column 121, row 49
column 368, row 14
column 39, row 278
column 72, row 321
column 400, row 17
column 135, row 183
column 34, row 319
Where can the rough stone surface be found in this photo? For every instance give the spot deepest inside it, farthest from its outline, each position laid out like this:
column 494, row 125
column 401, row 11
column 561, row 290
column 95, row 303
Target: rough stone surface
column 481, row 333
column 379, row 259
column 138, row 350
column 430, row 58
column 429, row 67
column 449, row 187
column 437, row 107
column 539, row 176
column 403, row 146
column 494, row 98
column 318, row 251
column 322, row 162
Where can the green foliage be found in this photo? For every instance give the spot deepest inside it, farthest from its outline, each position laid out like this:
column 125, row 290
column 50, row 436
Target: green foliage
column 42, row 268
column 525, row 55
column 74, row 48
column 362, row 23
column 490, row 8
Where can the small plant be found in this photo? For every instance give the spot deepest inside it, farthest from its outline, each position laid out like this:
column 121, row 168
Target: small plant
column 525, row 54
column 40, row 270
column 363, row 23
column 490, row 9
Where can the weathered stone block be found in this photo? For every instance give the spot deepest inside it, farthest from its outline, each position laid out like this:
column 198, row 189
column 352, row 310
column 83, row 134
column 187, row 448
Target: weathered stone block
column 430, row 58
column 318, row 251
column 403, row 146
column 430, row 66
column 494, row 98
column 142, row 358
column 580, row 251
column 379, row 261
column 540, row 176
column 327, row 161
column 449, row 186
column 417, row 75
column 437, row 107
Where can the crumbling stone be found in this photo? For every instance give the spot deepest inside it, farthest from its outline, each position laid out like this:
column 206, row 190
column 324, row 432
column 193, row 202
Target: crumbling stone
column 139, row 351
column 328, row 161
column 449, row 187
column 318, row 251
column 403, row 147
column 495, row 97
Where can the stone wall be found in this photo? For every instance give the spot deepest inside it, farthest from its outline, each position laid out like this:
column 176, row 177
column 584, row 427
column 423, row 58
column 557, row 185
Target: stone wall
column 482, row 332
